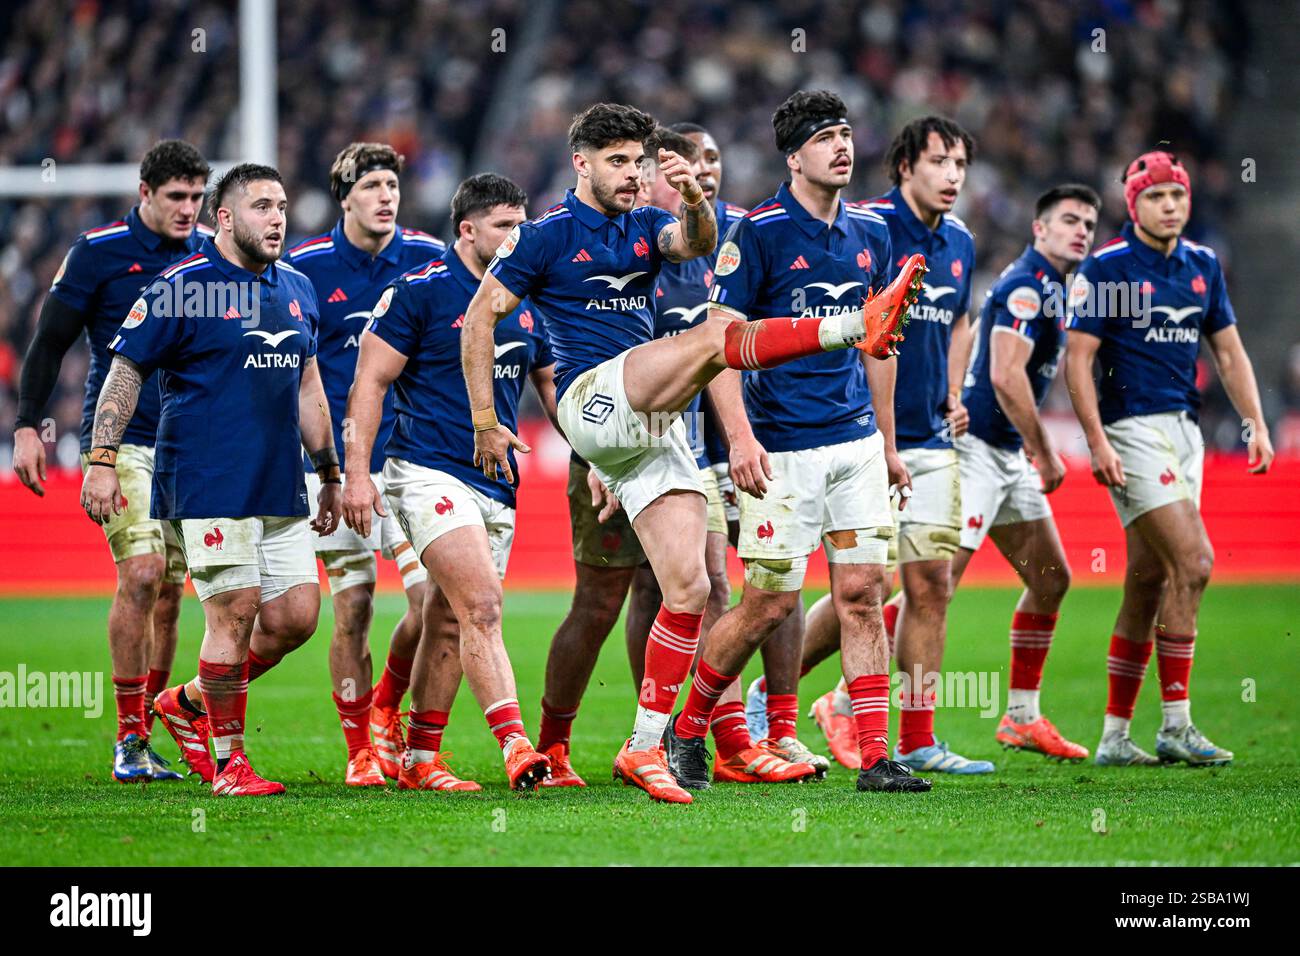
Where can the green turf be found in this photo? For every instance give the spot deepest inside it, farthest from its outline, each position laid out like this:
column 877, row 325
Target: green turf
column 59, row 806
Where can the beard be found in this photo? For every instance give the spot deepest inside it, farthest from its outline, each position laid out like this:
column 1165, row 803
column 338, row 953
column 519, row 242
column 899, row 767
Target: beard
column 608, row 198
column 250, row 245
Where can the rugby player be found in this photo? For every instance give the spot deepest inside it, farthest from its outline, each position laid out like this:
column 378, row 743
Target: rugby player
column 927, row 162
column 459, row 521
column 103, row 273
column 350, row 266
column 1141, row 427
column 590, row 264
column 1021, row 340
column 805, row 449
column 233, row 331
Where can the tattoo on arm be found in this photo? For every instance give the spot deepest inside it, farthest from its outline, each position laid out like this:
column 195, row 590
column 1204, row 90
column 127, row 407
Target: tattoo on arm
column 117, row 401
column 700, row 227
column 666, row 244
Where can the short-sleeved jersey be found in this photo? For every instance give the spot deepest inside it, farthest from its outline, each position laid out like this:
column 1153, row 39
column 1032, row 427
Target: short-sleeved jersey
column 230, row 347
column 921, row 396
column 1149, row 310
column 592, row 276
column 728, row 214
column 421, row 315
column 1028, row 300
column 682, row 303
column 348, row 283
column 780, row 261
column 104, row 272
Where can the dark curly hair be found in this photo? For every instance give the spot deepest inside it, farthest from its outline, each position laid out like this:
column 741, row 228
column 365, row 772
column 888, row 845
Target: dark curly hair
column 481, row 193
column 801, row 108
column 172, row 159
column 602, row 124
column 911, row 141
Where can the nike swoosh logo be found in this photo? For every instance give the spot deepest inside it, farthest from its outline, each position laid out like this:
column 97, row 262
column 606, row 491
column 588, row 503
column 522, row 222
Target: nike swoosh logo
column 616, row 282
column 688, row 315
column 933, row 292
column 275, row 339
column 501, row 350
column 1175, row 315
column 834, row 291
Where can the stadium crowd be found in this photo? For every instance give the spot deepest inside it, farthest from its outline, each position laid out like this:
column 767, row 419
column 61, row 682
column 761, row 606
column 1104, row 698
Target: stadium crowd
column 89, row 88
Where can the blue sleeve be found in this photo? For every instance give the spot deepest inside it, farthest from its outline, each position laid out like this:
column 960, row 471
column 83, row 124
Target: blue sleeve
column 968, row 264
column 396, row 319
column 311, row 315
column 151, row 335
column 1086, row 309
column 739, row 271
column 545, row 356
column 76, row 284
column 1018, row 305
column 883, row 266
column 521, row 260
column 1219, row 314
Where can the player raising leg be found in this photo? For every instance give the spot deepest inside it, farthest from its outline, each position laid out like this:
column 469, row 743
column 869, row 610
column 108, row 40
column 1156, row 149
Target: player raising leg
column 1138, row 308
column 621, row 391
column 460, row 522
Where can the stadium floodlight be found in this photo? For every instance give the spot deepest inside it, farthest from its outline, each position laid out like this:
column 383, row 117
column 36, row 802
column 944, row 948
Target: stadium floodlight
column 257, row 125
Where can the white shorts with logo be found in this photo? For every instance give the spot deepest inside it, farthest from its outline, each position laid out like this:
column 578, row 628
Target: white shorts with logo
column 813, row 493
column 349, row 559
column 998, row 487
column 604, row 430
column 1163, row 456
column 132, row 532
column 226, row 554
column 928, row 526
column 429, row 503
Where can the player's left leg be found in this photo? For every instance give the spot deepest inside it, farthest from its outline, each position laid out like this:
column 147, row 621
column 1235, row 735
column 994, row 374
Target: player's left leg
column 352, row 588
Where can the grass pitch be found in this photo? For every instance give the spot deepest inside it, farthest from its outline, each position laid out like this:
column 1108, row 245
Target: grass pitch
column 59, row 806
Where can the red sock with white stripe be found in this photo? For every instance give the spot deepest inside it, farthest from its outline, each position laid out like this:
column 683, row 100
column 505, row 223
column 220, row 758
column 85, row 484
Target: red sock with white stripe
column 1174, row 653
column 506, row 723
column 393, row 682
column 424, row 733
column 763, row 343
column 1125, row 667
column 128, row 694
column 669, row 652
column 915, row 721
column 354, row 715
column 225, row 697
column 1031, row 638
column 870, row 696
column 706, row 687
column 557, row 724
column 730, row 734
column 154, row 685
column 257, row 666
column 782, row 715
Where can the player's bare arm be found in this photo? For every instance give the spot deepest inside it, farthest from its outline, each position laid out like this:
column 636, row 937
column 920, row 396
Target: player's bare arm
column 318, row 441
column 378, row 366
column 882, row 376
column 695, row 233
column 101, row 495
column 959, row 349
column 58, row 326
column 1080, row 351
column 543, row 380
column 492, row 440
column 1009, row 353
column 1238, row 377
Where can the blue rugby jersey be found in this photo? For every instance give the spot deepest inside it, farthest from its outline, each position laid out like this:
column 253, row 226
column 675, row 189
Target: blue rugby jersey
column 230, row 346
column 1027, row 299
column 421, row 316
column 104, row 272
column 348, row 283
column 592, row 276
column 728, row 214
column 681, row 303
column 780, row 261
column 1149, row 311
column 921, row 396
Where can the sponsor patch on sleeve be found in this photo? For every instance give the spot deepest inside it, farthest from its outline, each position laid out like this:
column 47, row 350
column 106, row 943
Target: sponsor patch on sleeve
column 382, row 305
column 136, row 315
column 63, row 267
column 1079, row 291
column 1024, row 302
column 728, row 259
column 508, row 246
